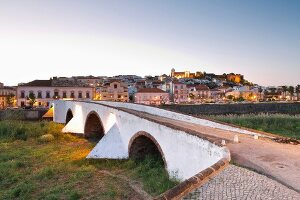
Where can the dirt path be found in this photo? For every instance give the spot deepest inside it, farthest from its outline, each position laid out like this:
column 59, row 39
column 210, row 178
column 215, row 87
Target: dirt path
column 134, row 185
column 278, row 161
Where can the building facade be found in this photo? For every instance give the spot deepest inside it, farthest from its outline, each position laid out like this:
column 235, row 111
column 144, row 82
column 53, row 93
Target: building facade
column 5, row 93
column 46, row 91
column 112, row 91
column 151, row 96
column 185, row 74
column 180, row 92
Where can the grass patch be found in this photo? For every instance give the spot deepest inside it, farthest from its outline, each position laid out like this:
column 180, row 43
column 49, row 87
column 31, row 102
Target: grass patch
column 280, row 124
column 31, row 169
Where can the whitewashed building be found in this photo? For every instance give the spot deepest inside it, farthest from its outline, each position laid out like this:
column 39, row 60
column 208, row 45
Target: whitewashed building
column 113, row 90
column 48, row 90
column 153, row 96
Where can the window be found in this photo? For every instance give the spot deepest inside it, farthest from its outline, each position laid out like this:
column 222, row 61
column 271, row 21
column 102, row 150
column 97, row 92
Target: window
column 119, row 96
column 64, row 94
column 56, row 94
column 22, row 103
column 79, row 95
column 72, row 94
column 115, row 86
column 175, row 86
column 182, row 87
column 22, row 94
column 47, row 94
column 40, row 103
column 87, row 95
column 39, row 94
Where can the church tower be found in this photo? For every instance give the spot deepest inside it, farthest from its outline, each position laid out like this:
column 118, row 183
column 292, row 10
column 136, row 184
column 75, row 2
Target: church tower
column 172, row 72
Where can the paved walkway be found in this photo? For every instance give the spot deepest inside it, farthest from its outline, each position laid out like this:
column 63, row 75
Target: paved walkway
column 239, row 183
column 279, row 161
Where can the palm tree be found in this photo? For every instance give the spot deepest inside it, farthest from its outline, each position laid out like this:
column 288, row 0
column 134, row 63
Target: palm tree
column 297, row 91
column 285, row 89
column 260, row 90
column 32, row 99
column 291, row 91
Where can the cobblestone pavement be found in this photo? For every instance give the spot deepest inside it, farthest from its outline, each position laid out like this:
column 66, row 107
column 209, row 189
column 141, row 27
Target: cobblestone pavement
column 239, row 183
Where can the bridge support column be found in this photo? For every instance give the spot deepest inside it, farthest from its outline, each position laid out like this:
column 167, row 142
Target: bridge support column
column 110, row 146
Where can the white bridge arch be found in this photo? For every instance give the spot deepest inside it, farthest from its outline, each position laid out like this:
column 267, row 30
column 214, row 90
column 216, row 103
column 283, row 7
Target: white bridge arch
column 183, row 153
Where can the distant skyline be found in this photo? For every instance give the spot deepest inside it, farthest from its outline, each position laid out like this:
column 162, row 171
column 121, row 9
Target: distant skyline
column 42, row 39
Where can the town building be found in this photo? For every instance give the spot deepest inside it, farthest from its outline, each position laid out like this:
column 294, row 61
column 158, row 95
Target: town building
column 151, row 96
column 185, row 74
column 202, row 92
column 92, row 81
column 236, row 78
column 114, row 90
column 180, row 92
column 5, row 93
column 47, row 90
column 245, row 92
column 139, row 84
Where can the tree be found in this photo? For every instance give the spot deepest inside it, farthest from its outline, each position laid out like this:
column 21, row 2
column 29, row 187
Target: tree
column 240, row 99
column 260, row 90
column 291, row 91
column 10, row 99
column 297, row 91
column 285, row 89
column 191, row 95
column 32, row 99
column 231, row 97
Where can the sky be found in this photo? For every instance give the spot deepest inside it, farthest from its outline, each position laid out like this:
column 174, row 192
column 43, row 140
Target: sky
column 257, row 38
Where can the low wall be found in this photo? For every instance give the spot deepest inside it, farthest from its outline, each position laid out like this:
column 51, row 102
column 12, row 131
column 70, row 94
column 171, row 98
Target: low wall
column 20, row 114
column 241, row 108
column 178, row 116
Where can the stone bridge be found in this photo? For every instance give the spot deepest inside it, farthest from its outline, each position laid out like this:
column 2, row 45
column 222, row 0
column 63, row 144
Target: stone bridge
column 126, row 130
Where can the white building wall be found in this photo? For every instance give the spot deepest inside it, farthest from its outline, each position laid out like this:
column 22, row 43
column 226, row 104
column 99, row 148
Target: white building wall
column 44, row 100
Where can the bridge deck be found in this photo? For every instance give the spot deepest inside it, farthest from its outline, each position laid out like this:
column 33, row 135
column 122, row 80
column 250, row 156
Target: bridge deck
column 278, row 161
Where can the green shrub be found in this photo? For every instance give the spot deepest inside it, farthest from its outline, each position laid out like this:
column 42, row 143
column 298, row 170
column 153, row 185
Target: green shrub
column 46, row 138
column 21, row 130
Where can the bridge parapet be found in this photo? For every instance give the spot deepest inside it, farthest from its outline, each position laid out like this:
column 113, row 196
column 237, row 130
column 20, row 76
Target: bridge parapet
column 178, row 116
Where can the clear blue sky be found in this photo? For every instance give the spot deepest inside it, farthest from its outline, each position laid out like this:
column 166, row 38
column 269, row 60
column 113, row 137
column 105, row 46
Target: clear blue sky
column 40, row 39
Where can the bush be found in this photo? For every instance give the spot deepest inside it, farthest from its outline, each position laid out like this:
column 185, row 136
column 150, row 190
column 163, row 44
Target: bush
column 20, row 130
column 46, row 138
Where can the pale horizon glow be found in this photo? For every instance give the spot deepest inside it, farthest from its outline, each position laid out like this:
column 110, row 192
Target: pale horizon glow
column 42, row 39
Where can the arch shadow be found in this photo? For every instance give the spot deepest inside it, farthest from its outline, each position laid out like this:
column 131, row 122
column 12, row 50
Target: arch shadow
column 93, row 128
column 143, row 144
column 69, row 116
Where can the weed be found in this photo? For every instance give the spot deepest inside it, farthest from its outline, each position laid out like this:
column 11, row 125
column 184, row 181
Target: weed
column 30, row 169
column 280, row 124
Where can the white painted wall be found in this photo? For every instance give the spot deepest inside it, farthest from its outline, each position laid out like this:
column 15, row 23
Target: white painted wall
column 51, row 90
column 177, row 116
column 185, row 154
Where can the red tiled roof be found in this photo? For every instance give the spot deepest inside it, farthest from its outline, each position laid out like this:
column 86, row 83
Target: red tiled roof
column 202, row 87
column 150, row 90
column 191, row 85
column 39, row 83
